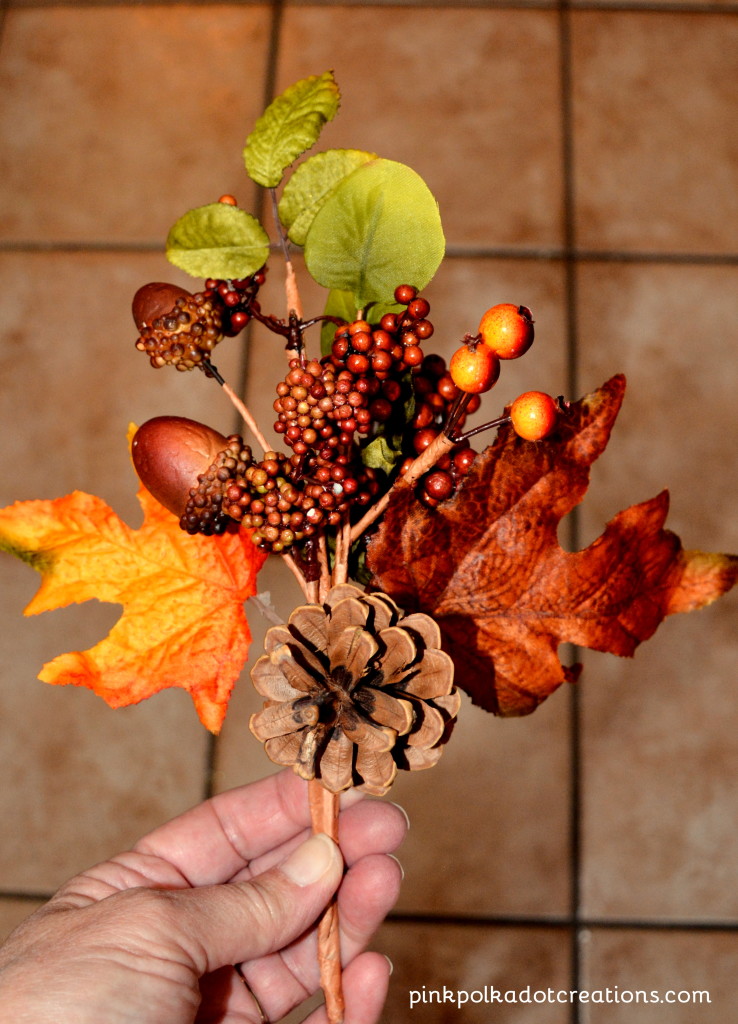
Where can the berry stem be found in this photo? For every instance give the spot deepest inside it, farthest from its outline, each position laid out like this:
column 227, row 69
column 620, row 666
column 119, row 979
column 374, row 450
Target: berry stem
column 242, row 410
column 456, row 412
column 292, row 565
column 343, row 547
column 324, row 816
column 425, row 461
column 483, row 426
column 325, row 571
column 292, row 294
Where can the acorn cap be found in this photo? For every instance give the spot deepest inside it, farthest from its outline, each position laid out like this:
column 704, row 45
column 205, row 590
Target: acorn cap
column 169, row 453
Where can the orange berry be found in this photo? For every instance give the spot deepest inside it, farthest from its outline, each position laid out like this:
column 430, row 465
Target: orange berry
column 507, row 329
column 474, row 368
column 533, row 415
column 228, row 200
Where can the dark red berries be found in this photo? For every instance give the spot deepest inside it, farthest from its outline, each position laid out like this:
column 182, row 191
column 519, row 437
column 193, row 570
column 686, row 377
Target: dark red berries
column 177, row 328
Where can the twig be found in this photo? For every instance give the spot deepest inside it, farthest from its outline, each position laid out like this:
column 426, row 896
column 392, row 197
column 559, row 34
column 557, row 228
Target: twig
column 343, row 549
column 295, row 570
column 242, row 410
column 324, row 817
column 294, row 303
column 325, row 569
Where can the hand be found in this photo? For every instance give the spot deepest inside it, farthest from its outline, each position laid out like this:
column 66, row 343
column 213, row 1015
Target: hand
column 151, row 936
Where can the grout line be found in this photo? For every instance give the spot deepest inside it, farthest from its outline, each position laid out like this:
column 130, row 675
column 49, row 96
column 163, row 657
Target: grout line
column 561, row 922
column 608, row 6
column 551, row 255
column 572, row 381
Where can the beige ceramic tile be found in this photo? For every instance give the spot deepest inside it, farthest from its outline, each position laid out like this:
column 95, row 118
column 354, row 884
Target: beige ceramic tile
column 660, row 751
column 501, row 974
column 467, row 97
column 116, row 120
column 489, row 825
column 13, row 911
column 82, row 780
column 655, row 131
column 671, row 977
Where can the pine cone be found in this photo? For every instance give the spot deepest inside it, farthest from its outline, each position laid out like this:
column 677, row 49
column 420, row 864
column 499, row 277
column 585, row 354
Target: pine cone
column 354, row 691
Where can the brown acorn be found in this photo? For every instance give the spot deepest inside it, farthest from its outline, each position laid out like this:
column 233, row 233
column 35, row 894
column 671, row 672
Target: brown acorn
column 170, row 453
column 176, row 328
column 188, row 467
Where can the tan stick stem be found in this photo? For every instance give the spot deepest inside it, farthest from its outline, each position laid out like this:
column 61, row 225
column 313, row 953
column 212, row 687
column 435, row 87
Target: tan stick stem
column 325, row 570
column 425, row 461
column 324, row 817
column 295, row 570
column 343, row 549
column 246, row 417
column 294, row 302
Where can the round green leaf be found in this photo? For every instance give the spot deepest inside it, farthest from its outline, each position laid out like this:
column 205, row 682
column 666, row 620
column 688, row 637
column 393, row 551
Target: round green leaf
column 380, row 227
column 289, row 126
column 218, row 241
column 310, row 186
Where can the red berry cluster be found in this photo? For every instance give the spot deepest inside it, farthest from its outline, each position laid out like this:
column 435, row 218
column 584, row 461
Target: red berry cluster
column 237, row 300
column 435, row 395
column 390, row 349
column 267, row 501
column 320, row 410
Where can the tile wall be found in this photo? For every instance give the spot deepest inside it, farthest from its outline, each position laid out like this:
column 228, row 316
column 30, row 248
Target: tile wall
column 585, row 157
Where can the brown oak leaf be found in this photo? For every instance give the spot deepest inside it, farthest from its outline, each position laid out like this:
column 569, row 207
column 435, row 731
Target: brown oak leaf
column 488, row 567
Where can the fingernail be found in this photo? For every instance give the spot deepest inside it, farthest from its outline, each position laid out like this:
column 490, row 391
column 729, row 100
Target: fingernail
column 311, row 860
column 402, row 811
column 397, row 862
column 391, row 965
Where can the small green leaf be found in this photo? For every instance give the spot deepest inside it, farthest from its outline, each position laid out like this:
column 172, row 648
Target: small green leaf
column 218, row 241
column 310, row 186
column 379, row 454
column 289, row 126
column 380, row 227
column 342, row 305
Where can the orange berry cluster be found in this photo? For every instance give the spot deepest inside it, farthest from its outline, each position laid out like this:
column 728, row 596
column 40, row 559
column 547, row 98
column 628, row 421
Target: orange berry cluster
column 505, row 332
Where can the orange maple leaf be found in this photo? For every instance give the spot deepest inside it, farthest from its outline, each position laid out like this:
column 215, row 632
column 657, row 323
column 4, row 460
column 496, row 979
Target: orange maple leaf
column 183, row 621
column 488, row 567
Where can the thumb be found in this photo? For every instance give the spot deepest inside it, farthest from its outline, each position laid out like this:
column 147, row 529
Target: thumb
column 227, row 924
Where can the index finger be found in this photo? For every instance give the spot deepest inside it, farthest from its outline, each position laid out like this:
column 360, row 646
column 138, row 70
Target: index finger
column 212, row 842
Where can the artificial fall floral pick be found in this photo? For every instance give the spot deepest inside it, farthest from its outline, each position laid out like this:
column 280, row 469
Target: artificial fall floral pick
column 488, row 567
column 354, row 690
column 183, row 621
column 375, row 480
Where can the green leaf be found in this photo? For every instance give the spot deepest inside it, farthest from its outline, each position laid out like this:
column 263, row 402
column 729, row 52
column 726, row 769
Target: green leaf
column 340, row 304
column 380, row 227
column 379, row 454
column 310, row 186
column 218, row 241
column 289, row 126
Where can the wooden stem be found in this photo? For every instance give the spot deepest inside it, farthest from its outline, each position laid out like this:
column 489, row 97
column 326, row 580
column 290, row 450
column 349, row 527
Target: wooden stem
column 246, row 417
column 324, row 817
column 325, row 570
column 297, row 573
